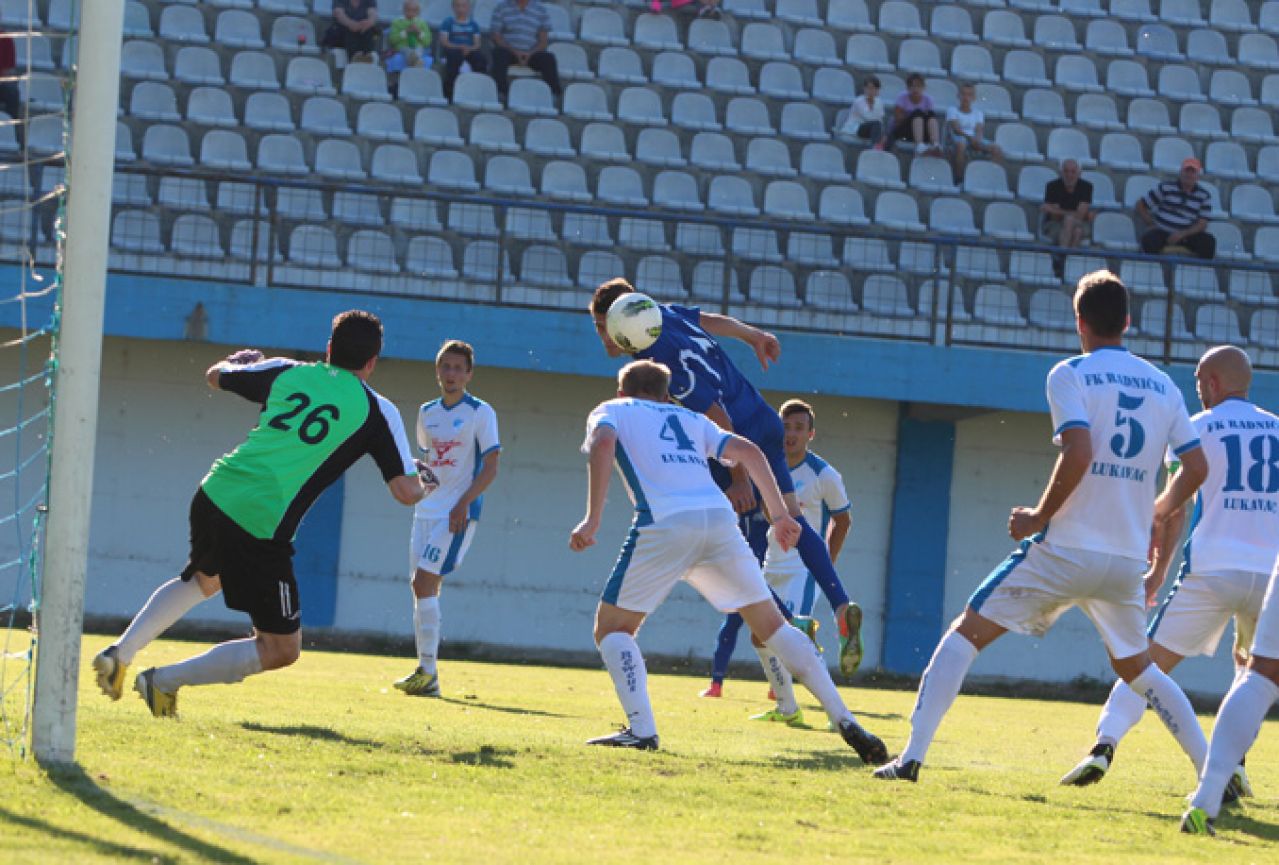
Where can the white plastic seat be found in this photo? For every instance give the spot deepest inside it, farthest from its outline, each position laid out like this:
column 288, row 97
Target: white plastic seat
column 1107, row 38
column 1169, row 153
column 309, row 75
column 365, row 81
column 232, row 197
column 478, row 92
column 816, row 48
column 677, row 190
column 867, row 51
column 1143, row 277
column 620, row 185
column 1250, row 202
column 326, row 116
column 256, row 70
column 1196, row 282
column 886, row 295
column 773, row 286
column 1180, row 83
column 1231, row 16
column 585, row 102
column 978, row 263
column 547, row 137
column 1136, row 187
column 732, row 195
column 1070, row 144
column 602, row 27
column 748, row 9
column 1098, row 111
column 1154, row 315
column 282, row 154
column 1253, row 125
column 900, row 18
column 293, row 202
column 175, row 193
column 1149, row 115
column 788, row 200
column 1230, row 244
column 1083, row 8
column 995, row 101
column 371, row 251
column 842, row 205
column 1055, row 33
column 293, row 35
column 973, row 63
column 572, row 62
column 1159, row 41
column 987, row 180
column 430, row 256
column 782, row 81
column 833, row 86
column 1183, row 12
column 340, row 159
column 1018, row 142
column 1128, row 78
column 136, row 231
column 714, row 38
column 769, row 157
column 565, row 181
column 380, row 122
column 640, row 106
column 1209, row 48
column 997, row 305
column 760, row 41
column 396, row 163
column 437, row 126
column 544, row 266
column 824, row 162
column 152, row 100
column 755, row 244
column 868, row 254
column 1044, row 107
column 1199, row 120
column 236, row 28
column 1263, row 330
column 1114, row 231
column 648, row 235
column 621, row 66
column 897, row 210
column 1031, row 181
column 803, row 122
column 604, row 142
column 1025, row 68
column 196, row 236
column 919, row 257
column 162, row 144
column 850, row 16
column 699, row 239
column 1077, row 74
column 561, row 23
column 1217, row 323
column 224, row 149
column 1032, row 268
column 1265, row 243
column 531, row 96
column 952, row 216
column 1252, row 287
column 483, row 261
column 472, row 220
column 747, row 116
column 182, row 24
column 1230, row 87
column 449, row 169
column 675, row 71
column 802, row 13
column 661, row 277
column 196, row 64
column 879, row 168
column 137, row 21
column 932, row 174
column 728, row 75
column 951, row 24
column 657, row 146
column 211, row 106
column 1122, row 152
column 829, row 290
column 1268, row 164
column 1005, row 29
column 596, row 268
column 1051, row 309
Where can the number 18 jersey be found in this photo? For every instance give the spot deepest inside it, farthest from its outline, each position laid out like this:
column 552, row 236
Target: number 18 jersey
column 1134, row 413
column 662, row 451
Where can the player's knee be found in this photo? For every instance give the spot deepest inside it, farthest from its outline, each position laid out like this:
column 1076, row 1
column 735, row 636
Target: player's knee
column 278, row 653
column 426, row 584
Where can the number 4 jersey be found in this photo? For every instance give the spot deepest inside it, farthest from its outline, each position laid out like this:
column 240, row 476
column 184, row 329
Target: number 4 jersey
column 316, row 421
column 1134, row 413
column 1236, row 519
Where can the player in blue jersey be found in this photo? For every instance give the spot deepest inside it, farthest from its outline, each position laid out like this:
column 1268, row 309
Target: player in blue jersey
column 1114, row 416
column 684, row 529
column 704, row 379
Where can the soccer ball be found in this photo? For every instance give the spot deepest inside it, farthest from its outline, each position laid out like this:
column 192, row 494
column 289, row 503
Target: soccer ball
column 634, row 322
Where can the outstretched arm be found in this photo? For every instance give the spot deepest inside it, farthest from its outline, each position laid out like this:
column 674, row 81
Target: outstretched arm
column 1072, row 464
column 599, row 465
column 1163, row 544
column 739, row 493
column 766, row 346
column 243, row 357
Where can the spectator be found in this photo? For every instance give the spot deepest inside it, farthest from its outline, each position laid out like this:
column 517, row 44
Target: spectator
column 354, row 29
column 708, row 9
column 1177, row 213
column 914, row 117
column 965, row 125
column 409, row 38
column 1066, row 215
column 519, row 31
column 865, row 119
column 460, row 39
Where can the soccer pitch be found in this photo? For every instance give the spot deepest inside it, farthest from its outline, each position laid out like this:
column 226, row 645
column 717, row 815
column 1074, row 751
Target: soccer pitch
column 324, row 762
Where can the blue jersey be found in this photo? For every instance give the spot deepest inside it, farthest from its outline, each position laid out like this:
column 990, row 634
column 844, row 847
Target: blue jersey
column 702, row 375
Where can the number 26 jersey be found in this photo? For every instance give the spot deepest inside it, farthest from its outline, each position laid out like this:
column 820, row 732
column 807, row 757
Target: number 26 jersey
column 316, row 421
column 1134, row 413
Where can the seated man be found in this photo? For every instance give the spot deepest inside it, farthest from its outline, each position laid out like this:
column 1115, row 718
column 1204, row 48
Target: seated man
column 1177, row 213
column 355, row 29
column 519, row 31
column 1066, row 214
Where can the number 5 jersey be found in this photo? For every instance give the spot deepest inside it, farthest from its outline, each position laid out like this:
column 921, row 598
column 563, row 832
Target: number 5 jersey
column 1134, row 413
column 316, row 421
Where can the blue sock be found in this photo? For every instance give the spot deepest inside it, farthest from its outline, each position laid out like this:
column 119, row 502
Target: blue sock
column 812, row 549
column 725, row 643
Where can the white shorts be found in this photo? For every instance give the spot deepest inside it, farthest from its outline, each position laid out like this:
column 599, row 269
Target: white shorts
column 1193, row 617
column 796, row 588
column 436, row 550
column 1266, row 642
column 702, row 547
column 1030, row 590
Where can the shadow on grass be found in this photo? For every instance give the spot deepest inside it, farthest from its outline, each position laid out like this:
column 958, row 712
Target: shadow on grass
column 74, row 781
column 810, row 761
column 98, row 845
column 486, row 755
column 1233, row 820
column 310, row 731
column 509, row 710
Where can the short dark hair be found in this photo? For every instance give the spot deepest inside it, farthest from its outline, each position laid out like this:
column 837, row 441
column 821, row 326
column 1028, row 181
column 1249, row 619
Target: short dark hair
column 798, row 406
column 644, row 378
column 1101, row 300
column 913, row 77
column 355, row 340
column 871, row 79
column 607, row 293
column 456, row 346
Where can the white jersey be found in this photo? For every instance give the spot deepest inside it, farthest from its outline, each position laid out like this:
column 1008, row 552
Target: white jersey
column 662, row 451
column 454, row 441
column 1134, row 413
column 820, row 492
column 1236, row 517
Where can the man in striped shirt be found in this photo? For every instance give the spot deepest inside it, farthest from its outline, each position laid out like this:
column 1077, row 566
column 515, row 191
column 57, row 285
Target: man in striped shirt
column 519, row 30
column 1177, row 214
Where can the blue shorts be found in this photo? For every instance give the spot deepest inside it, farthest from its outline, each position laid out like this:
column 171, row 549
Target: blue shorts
column 764, row 428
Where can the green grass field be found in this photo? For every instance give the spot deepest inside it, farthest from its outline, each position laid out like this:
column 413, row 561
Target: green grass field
column 326, row 763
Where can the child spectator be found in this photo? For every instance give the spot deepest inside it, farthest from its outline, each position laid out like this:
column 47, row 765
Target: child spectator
column 409, row 38
column 914, row 117
column 865, row 119
column 460, row 39
column 965, row 127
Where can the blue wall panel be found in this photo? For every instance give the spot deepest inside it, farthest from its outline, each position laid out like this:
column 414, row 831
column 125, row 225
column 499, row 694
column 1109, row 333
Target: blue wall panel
column 319, row 546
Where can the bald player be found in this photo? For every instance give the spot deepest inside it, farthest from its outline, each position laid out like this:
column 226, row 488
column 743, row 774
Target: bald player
column 1226, row 561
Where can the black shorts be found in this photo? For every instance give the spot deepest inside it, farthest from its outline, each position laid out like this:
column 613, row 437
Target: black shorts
column 257, row 575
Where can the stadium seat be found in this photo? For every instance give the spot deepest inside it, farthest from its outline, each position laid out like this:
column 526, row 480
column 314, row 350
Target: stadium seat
column 900, row 18
column 396, row 163
column 1051, row 309
column 1077, row 74
column 1032, row 268
column 236, row 28
column 824, row 162
column 595, row 268
column 922, row 56
column 886, row 295
column 1083, row 8
column 810, row 249
column 1122, row 152
column 656, row 33
column 182, row 24
column 371, row 251
column 1149, row 115
column 430, row 256
column 1031, row 181
column 769, row 157
column 834, row 86
column 868, row 254
column 545, row 266
column 152, row 100
column 842, row 205
column 747, row 9
column 997, row 304
column 714, row 38
column 472, row 220
column 1196, row 282
column 1231, row 16
column 1025, row 68
column 196, row 236
column 620, row 185
column 699, row 239
column 1107, row 38
column 677, row 190
column 561, row 23
column 760, row 41
column 224, row 149
column 1253, row 287
column 1159, row 42
column 196, row 64
column 420, row 86
column 850, row 16
column 642, row 234
column 978, row 263
column 733, row 195
column 1154, row 312
column 787, row 200
column 659, row 147
column 136, row 231
column 1169, row 153
column 728, row 75
column 1006, row 220
column 602, row 27
column 1209, row 48
column 1114, row 231
column 572, row 61
column 1018, row 142
column 897, row 210
column 675, row 71
column 1265, row 244
column 995, row 101
column 144, row 60
column 308, row 75
column 640, row 106
column 585, row 102
column 1044, row 107
column 815, row 48
column 1263, row 330
column 1143, row 277
column 437, row 126
column 773, row 286
column 339, row 158
column 137, row 19
column 162, row 144
column 546, row 137
column 1180, row 84
column 1230, row 87
column 1136, row 187
column 484, row 261
column 1268, row 164
column 1097, row 111
column 987, row 180
column 1229, row 241
column 951, row 24
column 526, row 223
column 1268, row 17
column 879, row 168
column 802, row 13
column 747, row 116
column 867, row 51
column 293, row 35
column 297, row 203
column 357, row 208
column 829, row 290
column 531, row 96
column 782, row 81
column 1199, row 120
column 1217, row 324
column 175, row 193
column 325, row 115
column 952, row 216
column 478, row 92
column 1055, row 33
column 661, row 277
column 1254, row 125
column 932, row 174
column 803, row 122
column 604, row 142
column 1185, row 13
column 1128, row 78
column 1005, row 29
column 266, row 111
column 211, row 106
column 380, row 122
column 973, row 63
column 365, row 81
column 1249, row 202
column 950, row 303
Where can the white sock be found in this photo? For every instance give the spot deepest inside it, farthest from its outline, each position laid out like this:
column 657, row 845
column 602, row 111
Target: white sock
column 625, row 664
column 937, row 692
column 167, row 604
column 224, row 664
column 780, row 679
column 1123, row 710
column 1172, row 707
column 426, row 625
column 1237, row 725
column 800, row 656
